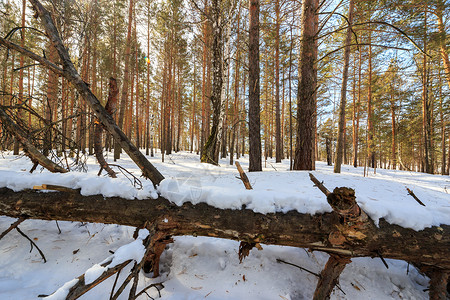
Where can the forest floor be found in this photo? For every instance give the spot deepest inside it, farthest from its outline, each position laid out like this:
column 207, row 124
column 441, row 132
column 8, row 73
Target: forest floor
column 200, row 267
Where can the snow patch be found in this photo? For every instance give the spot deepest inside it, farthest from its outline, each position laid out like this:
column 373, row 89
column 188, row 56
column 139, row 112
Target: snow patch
column 63, row 291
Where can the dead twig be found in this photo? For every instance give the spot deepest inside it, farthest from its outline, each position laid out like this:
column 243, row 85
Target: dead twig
column 32, row 243
column 114, row 285
column 301, row 268
column 13, row 225
column 382, row 259
column 57, row 225
column 123, row 285
column 319, row 184
column 243, row 177
column 306, row 270
column 81, row 287
column 59, row 188
column 134, row 180
column 411, row 193
column 135, row 273
column 155, row 285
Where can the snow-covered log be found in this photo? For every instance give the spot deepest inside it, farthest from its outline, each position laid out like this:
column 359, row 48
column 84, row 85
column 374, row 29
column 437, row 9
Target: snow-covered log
column 329, row 232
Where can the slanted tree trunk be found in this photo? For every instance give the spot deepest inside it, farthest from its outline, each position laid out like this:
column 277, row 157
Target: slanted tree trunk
column 29, row 148
column 254, row 123
column 341, row 127
column 71, row 74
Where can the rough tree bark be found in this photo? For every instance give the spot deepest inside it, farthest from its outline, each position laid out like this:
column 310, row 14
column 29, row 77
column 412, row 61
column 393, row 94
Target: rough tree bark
column 278, row 140
column 210, row 147
column 71, row 74
column 306, row 111
column 346, row 232
column 254, row 123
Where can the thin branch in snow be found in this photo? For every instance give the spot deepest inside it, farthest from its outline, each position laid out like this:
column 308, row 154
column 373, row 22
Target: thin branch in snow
column 32, row 243
column 13, row 225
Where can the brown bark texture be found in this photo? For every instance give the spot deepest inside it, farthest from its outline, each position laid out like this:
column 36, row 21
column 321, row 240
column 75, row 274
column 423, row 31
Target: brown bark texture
column 333, row 233
column 254, row 122
column 306, row 111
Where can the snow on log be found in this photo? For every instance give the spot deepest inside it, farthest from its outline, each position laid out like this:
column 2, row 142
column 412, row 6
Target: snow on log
column 428, row 248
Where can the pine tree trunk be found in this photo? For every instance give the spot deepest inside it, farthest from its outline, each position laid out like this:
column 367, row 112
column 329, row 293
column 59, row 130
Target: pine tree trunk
column 442, row 39
column 394, row 134
column 306, row 111
column 22, row 61
column 341, row 127
column 278, row 141
column 426, row 111
column 370, row 141
column 123, row 101
column 254, row 123
column 52, row 97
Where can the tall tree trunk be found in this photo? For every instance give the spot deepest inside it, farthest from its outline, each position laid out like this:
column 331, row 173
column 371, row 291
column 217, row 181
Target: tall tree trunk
column 254, row 123
column 22, row 61
column 426, row 109
column 306, row 111
column 124, row 98
column 193, row 107
column 209, row 153
column 147, row 106
column 235, row 119
column 394, row 134
column 341, row 127
column 356, row 113
column 442, row 39
column 278, row 140
column 370, row 141
column 443, row 125
column 291, row 159
column 204, row 123
column 50, row 103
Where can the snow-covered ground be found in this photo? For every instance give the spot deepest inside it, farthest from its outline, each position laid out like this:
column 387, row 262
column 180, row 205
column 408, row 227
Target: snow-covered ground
column 200, row 267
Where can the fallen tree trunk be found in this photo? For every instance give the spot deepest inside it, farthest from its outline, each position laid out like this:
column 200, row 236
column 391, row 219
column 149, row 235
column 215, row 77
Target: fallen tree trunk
column 429, row 248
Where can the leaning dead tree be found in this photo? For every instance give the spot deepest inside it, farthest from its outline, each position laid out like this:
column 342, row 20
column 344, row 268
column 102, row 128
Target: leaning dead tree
column 345, row 233
column 69, row 72
column 30, row 150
